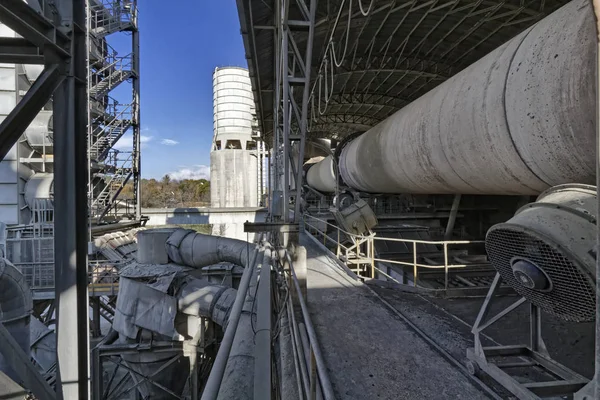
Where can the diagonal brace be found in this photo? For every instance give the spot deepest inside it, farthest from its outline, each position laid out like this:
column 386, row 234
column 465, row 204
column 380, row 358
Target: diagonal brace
column 21, row 364
column 23, row 114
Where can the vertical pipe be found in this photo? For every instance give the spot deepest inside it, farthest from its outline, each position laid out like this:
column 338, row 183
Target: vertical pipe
column 71, row 173
column 452, row 218
column 286, row 123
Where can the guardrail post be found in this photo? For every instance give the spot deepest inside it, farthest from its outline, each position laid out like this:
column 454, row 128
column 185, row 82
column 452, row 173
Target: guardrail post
column 445, row 266
column 415, row 264
column 337, row 253
column 371, row 244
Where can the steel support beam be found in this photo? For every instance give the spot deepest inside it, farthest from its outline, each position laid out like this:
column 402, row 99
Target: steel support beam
column 27, row 22
column 19, row 51
column 71, row 214
column 294, row 46
column 23, row 114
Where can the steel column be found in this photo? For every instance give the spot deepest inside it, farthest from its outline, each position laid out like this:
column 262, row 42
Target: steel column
column 71, row 175
column 137, row 161
column 292, row 78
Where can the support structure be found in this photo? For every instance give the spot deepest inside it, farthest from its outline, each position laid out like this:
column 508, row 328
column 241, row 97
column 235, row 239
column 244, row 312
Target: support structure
column 111, row 119
column 294, row 34
column 563, row 381
column 55, row 35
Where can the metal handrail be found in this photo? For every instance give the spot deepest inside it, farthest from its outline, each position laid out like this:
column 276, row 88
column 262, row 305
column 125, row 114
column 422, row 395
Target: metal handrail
column 315, row 376
column 371, row 259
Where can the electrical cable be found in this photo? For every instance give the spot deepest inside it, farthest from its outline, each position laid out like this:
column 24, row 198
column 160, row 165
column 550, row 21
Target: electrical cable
column 363, row 12
column 347, row 37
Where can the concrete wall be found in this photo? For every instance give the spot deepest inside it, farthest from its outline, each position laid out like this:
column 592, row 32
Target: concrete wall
column 225, row 222
column 233, row 178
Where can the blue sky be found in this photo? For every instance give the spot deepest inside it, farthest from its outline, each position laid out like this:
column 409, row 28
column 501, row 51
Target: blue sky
column 181, row 43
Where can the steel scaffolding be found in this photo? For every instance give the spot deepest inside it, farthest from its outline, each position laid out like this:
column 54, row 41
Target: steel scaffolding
column 110, row 168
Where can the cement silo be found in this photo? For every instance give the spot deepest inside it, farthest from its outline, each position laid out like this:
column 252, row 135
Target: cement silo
column 234, row 165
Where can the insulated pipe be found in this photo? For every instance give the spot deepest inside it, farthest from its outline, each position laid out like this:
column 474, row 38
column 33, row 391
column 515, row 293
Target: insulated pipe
column 201, row 299
column 187, row 247
column 516, row 122
column 262, row 337
column 238, row 379
column 213, row 383
column 321, row 175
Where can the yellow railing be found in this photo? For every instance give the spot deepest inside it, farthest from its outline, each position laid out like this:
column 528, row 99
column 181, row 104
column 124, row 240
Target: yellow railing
column 353, row 253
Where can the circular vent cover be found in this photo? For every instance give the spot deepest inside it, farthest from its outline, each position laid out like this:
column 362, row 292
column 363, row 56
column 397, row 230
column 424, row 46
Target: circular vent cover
column 572, row 294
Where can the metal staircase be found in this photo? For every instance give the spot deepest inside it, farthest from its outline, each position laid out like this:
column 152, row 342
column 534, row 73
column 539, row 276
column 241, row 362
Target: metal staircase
column 110, row 127
column 109, row 185
column 110, row 16
column 110, row 76
column 109, row 120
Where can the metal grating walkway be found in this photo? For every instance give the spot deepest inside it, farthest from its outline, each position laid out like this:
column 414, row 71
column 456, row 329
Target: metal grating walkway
column 370, row 352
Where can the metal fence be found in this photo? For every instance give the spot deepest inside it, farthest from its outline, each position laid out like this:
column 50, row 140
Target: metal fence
column 359, row 254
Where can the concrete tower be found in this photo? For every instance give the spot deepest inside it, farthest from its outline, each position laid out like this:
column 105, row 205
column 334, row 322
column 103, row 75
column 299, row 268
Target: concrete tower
column 234, row 156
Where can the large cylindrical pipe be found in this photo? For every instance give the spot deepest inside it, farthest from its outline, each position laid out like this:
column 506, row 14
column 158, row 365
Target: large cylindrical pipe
column 321, row 176
column 187, row 247
column 516, row 122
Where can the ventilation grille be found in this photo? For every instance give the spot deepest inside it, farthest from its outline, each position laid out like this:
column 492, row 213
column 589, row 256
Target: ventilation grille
column 572, row 297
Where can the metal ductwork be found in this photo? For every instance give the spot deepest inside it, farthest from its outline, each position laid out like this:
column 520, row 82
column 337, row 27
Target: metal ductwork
column 517, row 122
column 39, row 186
column 15, row 310
column 546, row 252
column 158, row 297
column 321, row 175
column 196, row 250
column 40, row 134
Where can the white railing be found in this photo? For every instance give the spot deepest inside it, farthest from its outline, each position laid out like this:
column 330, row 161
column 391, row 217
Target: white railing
column 361, row 253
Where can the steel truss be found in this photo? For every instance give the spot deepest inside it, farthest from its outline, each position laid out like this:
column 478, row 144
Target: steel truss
column 294, row 34
column 55, row 36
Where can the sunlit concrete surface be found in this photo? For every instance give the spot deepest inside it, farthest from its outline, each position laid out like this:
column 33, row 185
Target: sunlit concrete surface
column 369, row 351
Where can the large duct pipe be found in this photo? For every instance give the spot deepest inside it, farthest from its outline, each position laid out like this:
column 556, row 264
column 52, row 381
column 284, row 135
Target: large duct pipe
column 15, row 310
column 516, row 122
column 187, row 247
column 201, row 299
column 321, row 175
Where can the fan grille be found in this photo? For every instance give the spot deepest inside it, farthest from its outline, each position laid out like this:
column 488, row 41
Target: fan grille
column 572, row 297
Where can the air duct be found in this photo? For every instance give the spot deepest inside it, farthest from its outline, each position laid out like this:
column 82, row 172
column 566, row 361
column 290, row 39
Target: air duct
column 39, row 186
column 321, row 175
column 546, row 252
column 196, row 250
column 518, row 121
column 40, row 134
column 15, row 310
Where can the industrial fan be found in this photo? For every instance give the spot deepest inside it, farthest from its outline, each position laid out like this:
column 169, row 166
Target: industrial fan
column 547, row 254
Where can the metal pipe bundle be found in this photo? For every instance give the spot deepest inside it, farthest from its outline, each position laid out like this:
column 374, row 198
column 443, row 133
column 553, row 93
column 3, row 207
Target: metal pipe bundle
column 518, row 121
